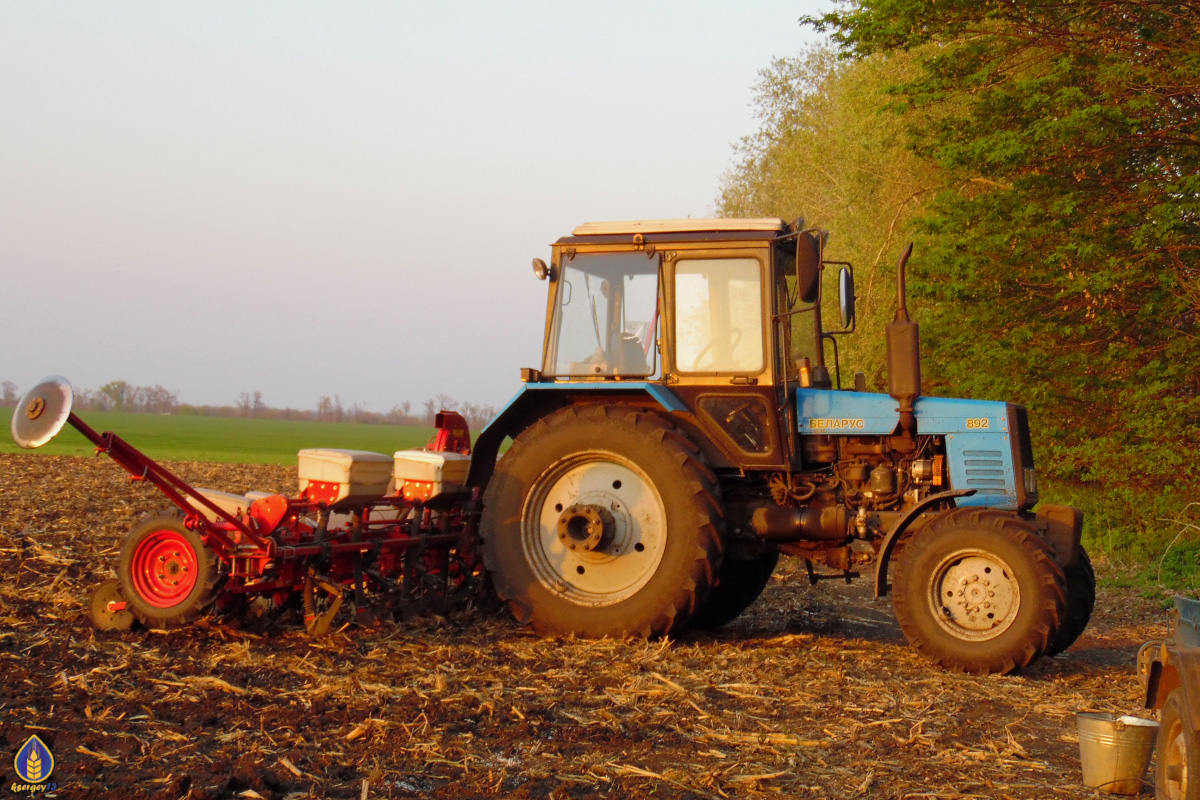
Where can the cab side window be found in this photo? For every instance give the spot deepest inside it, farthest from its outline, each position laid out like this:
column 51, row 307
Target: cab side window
column 718, row 315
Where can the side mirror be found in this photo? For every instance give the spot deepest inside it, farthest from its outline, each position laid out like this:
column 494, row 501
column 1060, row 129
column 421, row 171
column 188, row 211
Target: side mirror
column 846, row 296
column 808, row 267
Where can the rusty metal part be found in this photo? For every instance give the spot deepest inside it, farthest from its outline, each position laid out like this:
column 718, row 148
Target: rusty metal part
column 586, row 526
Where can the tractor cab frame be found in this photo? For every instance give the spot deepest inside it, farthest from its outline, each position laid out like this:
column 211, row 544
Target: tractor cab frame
column 723, row 312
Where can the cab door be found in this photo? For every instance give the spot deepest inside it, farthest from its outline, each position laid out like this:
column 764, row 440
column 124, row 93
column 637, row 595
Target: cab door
column 718, row 350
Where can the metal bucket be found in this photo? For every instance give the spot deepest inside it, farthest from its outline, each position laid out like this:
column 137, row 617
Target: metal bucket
column 1115, row 751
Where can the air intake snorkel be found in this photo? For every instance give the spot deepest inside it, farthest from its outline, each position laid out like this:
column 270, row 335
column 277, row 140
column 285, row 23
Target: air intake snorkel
column 904, row 356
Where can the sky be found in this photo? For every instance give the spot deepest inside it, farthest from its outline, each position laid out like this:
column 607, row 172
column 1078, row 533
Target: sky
column 312, row 199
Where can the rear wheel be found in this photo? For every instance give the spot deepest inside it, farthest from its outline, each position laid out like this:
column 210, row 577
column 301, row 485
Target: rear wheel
column 977, row 590
column 740, row 584
column 1177, row 770
column 167, row 576
column 1081, row 599
column 602, row 521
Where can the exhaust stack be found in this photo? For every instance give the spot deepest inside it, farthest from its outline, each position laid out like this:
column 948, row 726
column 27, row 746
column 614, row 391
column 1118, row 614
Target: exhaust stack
column 904, row 355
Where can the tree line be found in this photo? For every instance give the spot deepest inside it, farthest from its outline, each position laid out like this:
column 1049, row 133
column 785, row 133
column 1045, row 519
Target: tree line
column 126, row 397
column 1045, row 160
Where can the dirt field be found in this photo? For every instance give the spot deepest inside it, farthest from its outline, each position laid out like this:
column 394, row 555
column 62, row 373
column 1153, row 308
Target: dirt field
column 813, row 693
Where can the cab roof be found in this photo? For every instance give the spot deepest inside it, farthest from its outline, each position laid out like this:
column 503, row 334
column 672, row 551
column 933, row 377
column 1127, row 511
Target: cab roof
column 768, row 224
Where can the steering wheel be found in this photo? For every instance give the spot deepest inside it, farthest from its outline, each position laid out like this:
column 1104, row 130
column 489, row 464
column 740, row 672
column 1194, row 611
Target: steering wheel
column 707, row 349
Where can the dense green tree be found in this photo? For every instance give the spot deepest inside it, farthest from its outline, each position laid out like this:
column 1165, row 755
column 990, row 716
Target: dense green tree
column 827, row 150
column 1062, row 251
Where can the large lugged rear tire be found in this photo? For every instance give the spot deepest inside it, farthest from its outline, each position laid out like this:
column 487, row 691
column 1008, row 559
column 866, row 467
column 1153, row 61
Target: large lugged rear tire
column 977, row 590
column 602, row 521
column 1081, row 600
column 740, row 584
column 167, row 576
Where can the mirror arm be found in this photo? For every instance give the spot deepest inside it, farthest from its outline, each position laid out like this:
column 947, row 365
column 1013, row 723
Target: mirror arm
column 837, row 360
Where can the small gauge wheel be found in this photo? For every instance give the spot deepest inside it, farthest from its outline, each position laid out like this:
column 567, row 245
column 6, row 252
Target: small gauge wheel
column 108, row 608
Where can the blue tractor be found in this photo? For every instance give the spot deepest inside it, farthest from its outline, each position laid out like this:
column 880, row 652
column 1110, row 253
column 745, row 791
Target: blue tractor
column 688, row 425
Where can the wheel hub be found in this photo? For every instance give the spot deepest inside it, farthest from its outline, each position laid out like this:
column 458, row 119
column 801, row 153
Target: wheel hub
column 974, row 595
column 165, row 569
column 35, row 408
column 594, row 528
column 586, row 526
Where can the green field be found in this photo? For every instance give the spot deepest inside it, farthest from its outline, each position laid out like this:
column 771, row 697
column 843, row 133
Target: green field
column 222, row 439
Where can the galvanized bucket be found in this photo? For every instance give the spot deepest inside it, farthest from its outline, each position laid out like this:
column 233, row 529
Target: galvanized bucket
column 1115, row 751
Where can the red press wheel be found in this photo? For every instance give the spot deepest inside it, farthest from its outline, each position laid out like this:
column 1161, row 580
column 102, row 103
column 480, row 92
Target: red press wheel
column 164, row 568
column 167, row 575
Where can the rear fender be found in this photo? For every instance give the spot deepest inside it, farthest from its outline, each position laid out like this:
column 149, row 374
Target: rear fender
column 536, row 400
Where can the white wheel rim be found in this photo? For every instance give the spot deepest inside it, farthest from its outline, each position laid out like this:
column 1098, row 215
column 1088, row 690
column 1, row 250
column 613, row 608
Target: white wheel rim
column 974, row 595
column 625, row 564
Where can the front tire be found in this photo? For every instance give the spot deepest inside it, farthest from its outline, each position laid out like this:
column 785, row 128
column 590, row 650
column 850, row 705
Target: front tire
column 977, row 590
column 167, row 575
column 1177, row 771
column 602, row 521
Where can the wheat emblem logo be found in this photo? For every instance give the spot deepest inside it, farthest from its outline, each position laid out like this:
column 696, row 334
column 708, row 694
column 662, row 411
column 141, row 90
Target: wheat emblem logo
column 34, row 762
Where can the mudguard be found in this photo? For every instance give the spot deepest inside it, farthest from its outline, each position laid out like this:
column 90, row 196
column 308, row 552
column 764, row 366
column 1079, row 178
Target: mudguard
column 1170, row 668
column 536, row 400
column 889, row 542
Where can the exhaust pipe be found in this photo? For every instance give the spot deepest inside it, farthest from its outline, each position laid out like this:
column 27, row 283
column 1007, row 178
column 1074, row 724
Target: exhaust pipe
column 904, row 355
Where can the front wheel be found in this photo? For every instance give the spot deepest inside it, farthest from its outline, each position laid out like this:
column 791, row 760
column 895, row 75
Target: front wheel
column 167, row 575
column 1177, row 771
column 977, row 590
column 602, row 521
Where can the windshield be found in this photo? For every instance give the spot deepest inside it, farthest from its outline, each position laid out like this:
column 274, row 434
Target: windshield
column 605, row 316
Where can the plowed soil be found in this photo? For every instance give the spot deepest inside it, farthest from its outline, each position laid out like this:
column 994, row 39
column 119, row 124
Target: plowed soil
column 812, row 693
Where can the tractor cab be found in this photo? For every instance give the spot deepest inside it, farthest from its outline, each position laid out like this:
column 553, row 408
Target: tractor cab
column 721, row 311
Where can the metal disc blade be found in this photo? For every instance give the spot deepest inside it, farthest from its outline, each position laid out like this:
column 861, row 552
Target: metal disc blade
column 42, row 412
column 105, row 614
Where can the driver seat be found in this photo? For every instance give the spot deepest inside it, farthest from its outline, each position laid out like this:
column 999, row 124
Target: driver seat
column 627, row 356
